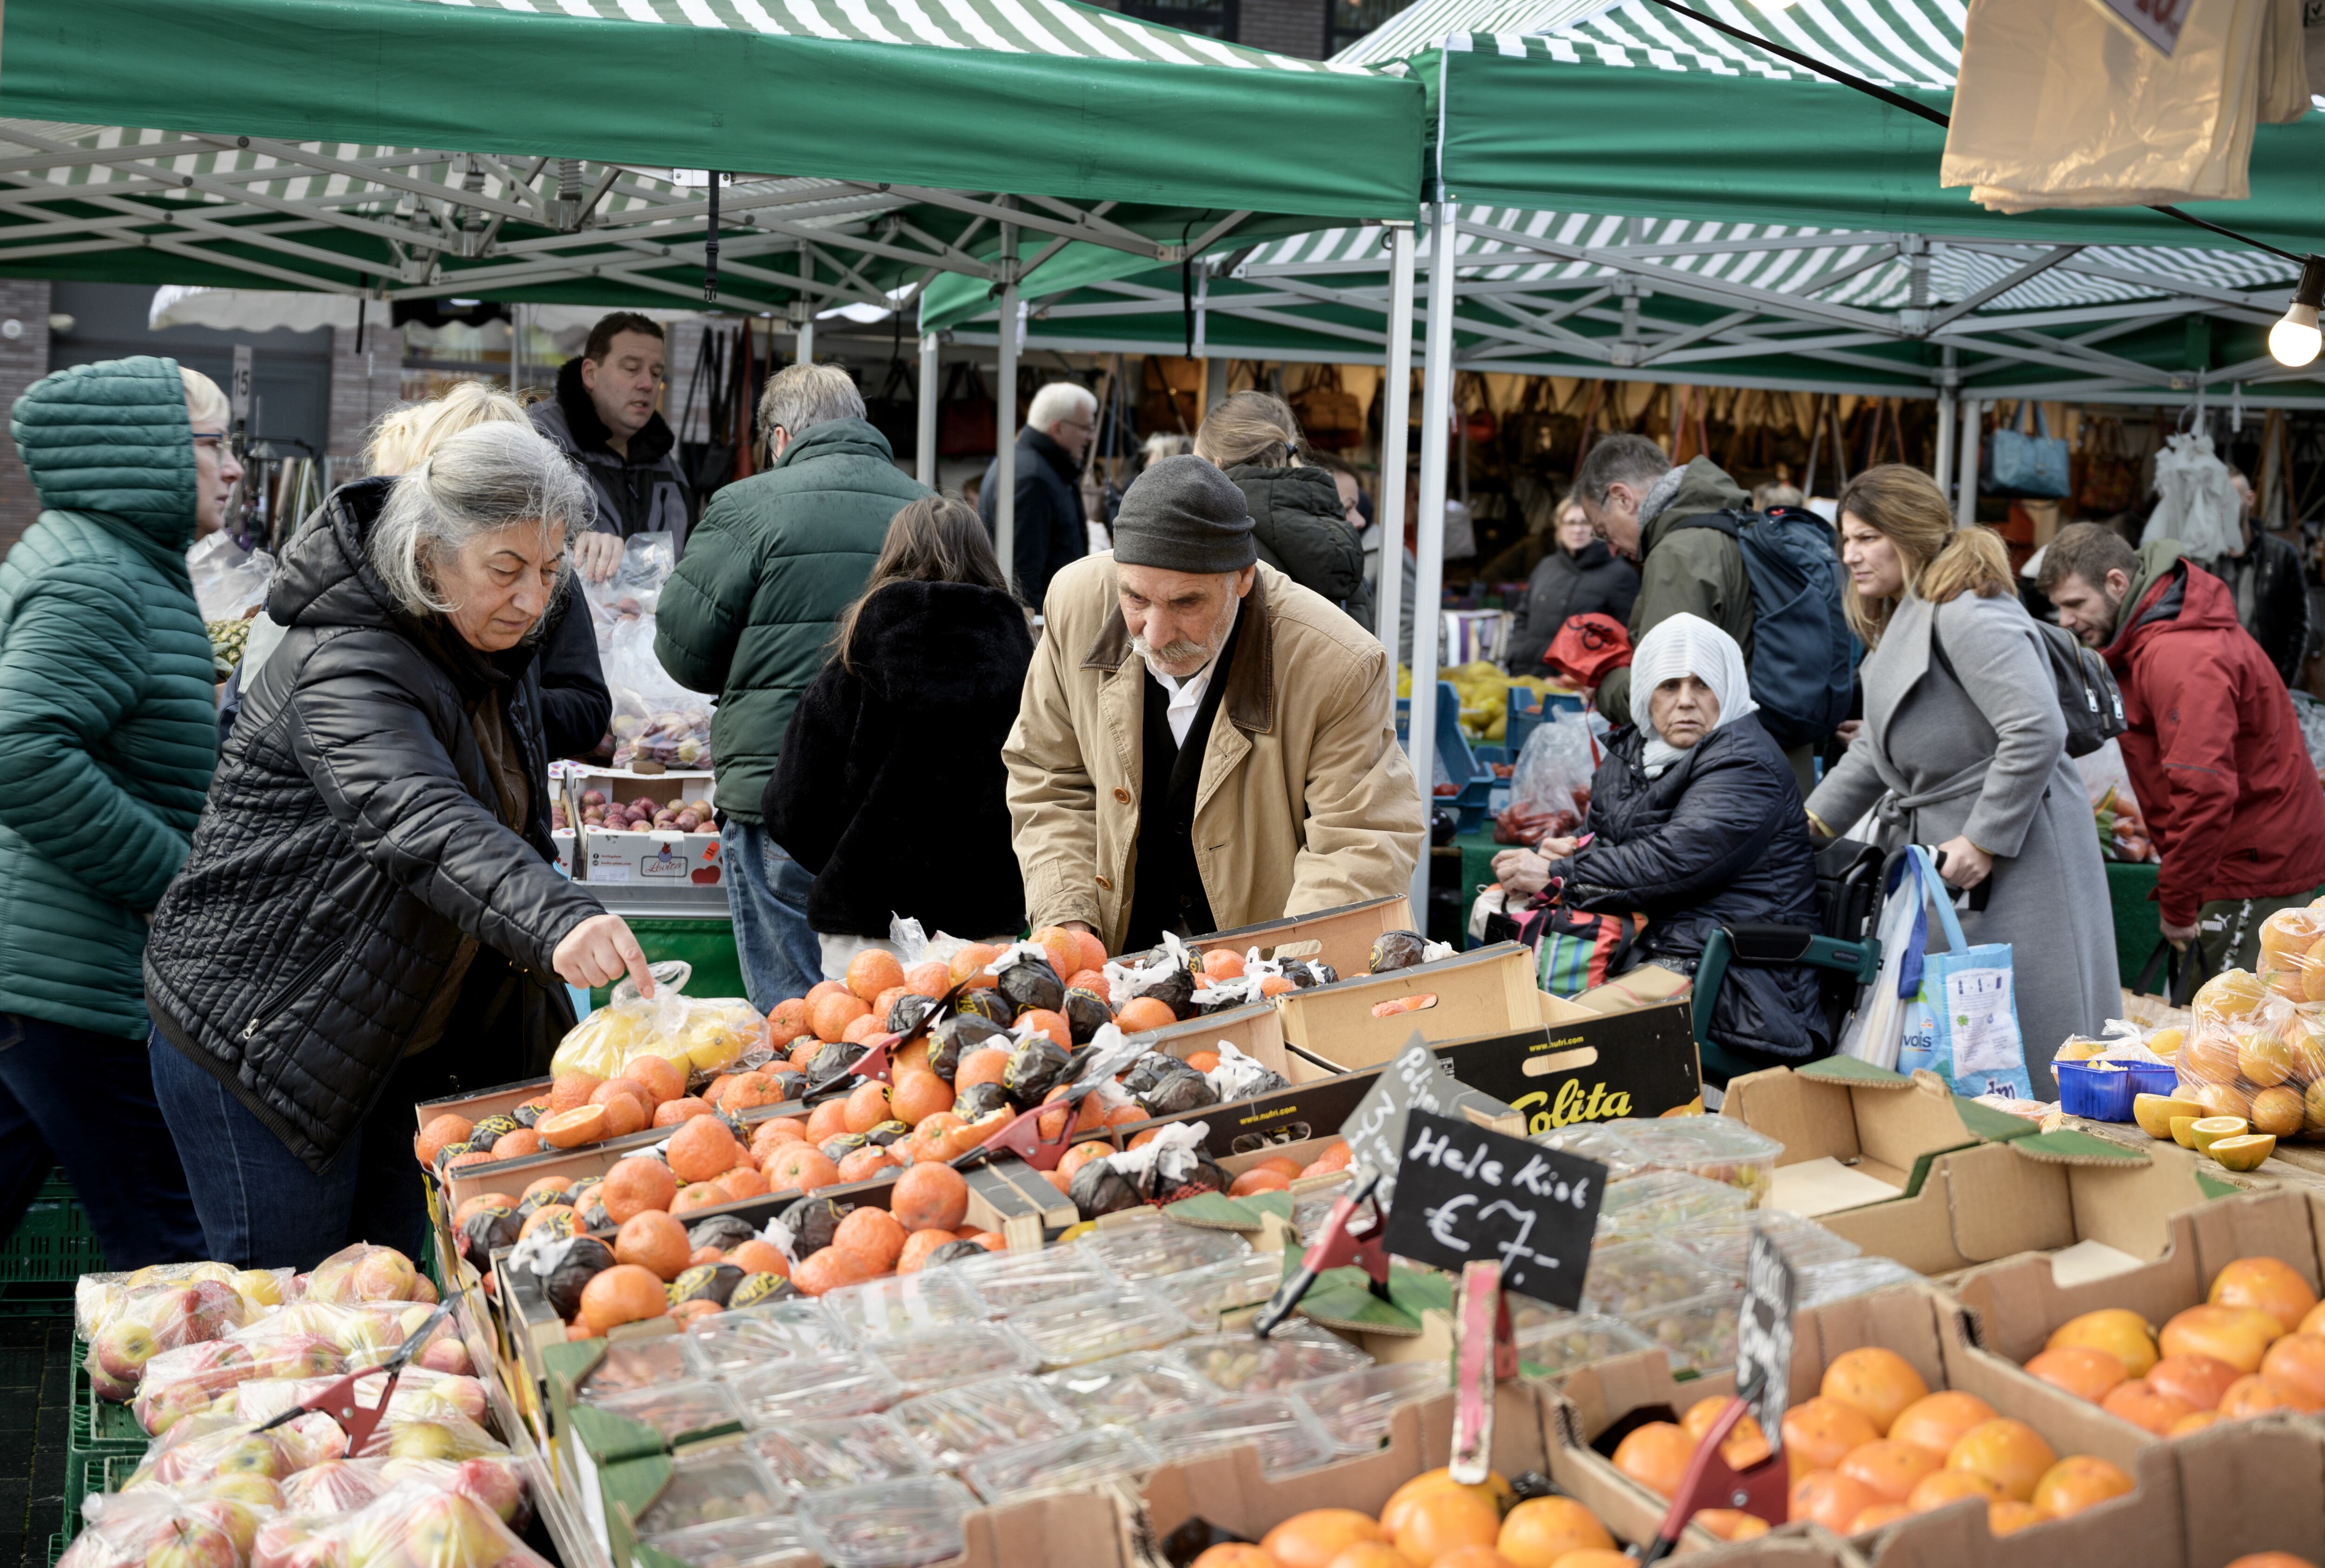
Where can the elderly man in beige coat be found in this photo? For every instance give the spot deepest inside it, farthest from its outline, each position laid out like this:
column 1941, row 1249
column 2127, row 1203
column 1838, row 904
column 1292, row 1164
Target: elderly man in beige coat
column 1203, row 743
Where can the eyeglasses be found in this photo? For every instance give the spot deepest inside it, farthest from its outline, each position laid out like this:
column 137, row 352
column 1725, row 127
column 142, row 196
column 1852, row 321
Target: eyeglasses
column 215, row 439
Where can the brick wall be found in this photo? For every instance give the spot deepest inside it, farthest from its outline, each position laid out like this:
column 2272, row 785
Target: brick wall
column 1294, row 27
column 364, row 385
column 23, row 360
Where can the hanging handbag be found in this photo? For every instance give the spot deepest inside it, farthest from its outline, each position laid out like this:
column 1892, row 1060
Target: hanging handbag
column 2032, row 461
column 965, row 424
column 895, row 412
column 1331, row 419
column 2109, row 480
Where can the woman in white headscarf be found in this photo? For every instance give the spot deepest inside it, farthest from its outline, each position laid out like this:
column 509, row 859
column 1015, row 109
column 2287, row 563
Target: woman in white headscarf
column 1696, row 822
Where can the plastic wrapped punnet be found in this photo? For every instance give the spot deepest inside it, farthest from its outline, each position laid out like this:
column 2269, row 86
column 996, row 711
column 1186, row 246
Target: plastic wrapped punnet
column 1356, row 1407
column 1106, row 1323
column 833, row 1383
column 645, row 1363
column 895, row 1525
column 1068, row 1464
column 1718, row 1149
column 1144, row 1247
column 1244, row 1363
column 1698, row 1334
column 1128, row 1388
column 1568, row 1342
column 904, row 1304
column 718, row 1486
column 806, row 1456
column 1008, row 1282
column 1726, row 1242
column 770, row 1541
column 1635, row 1276
column 945, row 1357
column 1288, row 1435
column 743, row 1339
column 678, row 1410
column 1665, row 1201
column 957, row 1425
column 1211, row 1292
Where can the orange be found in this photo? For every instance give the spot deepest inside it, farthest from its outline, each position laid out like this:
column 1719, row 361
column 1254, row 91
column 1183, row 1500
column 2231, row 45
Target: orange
column 777, row 1130
column 570, row 1090
column 2299, row 1360
column 928, row 979
column 930, row 1197
column 968, row 966
column 439, row 1131
column 2314, row 1322
column 1142, row 1013
column 2198, row 1381
column 830, row 1270
column 1203, row 1061
column 1878, row 1382
column 1235, row 1554
column 831, row 1016
column 1656, row 1456
column 788, row 1022
column 2077, row 1483
column 827, row 1121
column 1892, row 1468
column 634, row 1185
column 866, row 1106
column 2144, row 1405
column 1595, row 1558
column 624, row 1293
column 2271, row 1560
column 1060, row 944
column 671, row 1112
column 823, row 988
column 1276, row 986
column 1941, row 1487
column 2009, row 1516
column 757, row 1257
column 2240, row 1336
column 1094, row 981
column 2118, row 1331
column 744, row 1181
column 652, row 1240
column 571, row 1129
column 703, row 1150
column 1093, row 952
column 1819, row 1433
column 484, row 1200
column 547, row 1214
column 2260, row 1393
column 918, row 1246
column 1223, row 963
column 2009, row 1454
column 1938, row 1421
column 2084, row 1373
column 983, row 1065
column 1830, row 1498
column 1041, row 1020
column 887, row 999
column 1540, row 1530
column 1878, row 1515
column 1473, row 1555
column 1731, row 1524
column 2266, row 1284
column 1087, row 1117
column 1443, row 1517
column 696, row 1196
column 660, row 1075
column 2194, row 1421
column 1080, row 1155
column 874, row 1235
column 918, row 1096
column 798, row 1167
column 749, row 1091
column 603, row 1094
column 1313, row 1539
column 1747, row 1444
column 862, row 1165
column 1258, row 1181
column 874, row 970
column 516, row 1145
column 1494, row 1490
column 860, row 1030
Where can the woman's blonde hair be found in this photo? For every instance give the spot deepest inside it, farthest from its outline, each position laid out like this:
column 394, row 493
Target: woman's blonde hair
column 205, row 406
column 404, row 435
column 1904, row 506
column 1251, row 427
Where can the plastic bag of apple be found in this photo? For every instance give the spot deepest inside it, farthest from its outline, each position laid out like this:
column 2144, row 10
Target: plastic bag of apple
column 129, row 1319
column 309, row 1340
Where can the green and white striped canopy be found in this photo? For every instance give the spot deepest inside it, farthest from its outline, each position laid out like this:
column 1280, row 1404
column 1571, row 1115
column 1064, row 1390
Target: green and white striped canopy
column 552, row 148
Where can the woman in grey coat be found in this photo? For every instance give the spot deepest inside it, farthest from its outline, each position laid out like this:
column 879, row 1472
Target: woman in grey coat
column 1963, row 747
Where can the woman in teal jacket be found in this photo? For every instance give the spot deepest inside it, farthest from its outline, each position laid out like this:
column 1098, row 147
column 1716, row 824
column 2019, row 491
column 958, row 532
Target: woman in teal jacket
column 108, row 714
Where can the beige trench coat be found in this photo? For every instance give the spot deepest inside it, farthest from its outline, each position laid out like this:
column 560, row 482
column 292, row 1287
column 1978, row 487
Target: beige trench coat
column 1305, row 800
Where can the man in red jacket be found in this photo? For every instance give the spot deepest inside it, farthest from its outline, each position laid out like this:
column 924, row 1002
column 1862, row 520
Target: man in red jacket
column 2213, row 750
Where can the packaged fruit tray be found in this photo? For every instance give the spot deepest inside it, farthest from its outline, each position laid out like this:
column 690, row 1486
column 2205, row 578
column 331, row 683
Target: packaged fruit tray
column 1718, row 1149
column 722, row 1487
column 959, row 1424
column 888, row 1525
column 1665, row 1201
column 1636, row 1277
column 840, row 1383
column 1128, row 1388
column 1289, row 1437
column 1242, row 1363
column 807, row 1456
column 1356, row 1407
column 948, row 1357
column 1076, row 1460
column 771, row 1541
column 1090, row 1328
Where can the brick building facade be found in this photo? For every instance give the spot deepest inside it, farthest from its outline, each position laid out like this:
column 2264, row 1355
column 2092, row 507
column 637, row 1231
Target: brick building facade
column 23, row 360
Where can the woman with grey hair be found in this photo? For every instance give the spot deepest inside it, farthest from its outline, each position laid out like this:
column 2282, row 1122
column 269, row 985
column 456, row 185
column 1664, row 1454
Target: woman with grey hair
column 371, row 915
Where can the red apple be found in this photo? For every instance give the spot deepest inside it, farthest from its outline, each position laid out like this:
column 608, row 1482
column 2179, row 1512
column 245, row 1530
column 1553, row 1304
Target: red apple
column 191, row 1542
column 492, row 1481
column 122, row 1349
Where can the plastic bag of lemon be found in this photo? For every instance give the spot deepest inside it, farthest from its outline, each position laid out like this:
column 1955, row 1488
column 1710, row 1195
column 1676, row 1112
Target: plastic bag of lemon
column 1483, row 689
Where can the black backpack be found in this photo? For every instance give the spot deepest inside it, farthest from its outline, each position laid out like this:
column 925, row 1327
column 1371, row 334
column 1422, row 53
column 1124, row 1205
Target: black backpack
column 1804, row 661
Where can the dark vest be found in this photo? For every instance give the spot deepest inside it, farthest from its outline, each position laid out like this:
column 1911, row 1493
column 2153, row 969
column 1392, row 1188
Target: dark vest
column 1167, row 893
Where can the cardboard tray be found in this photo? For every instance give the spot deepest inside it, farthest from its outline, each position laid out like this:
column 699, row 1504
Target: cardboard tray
column 1490, row 991
column 1342, row 937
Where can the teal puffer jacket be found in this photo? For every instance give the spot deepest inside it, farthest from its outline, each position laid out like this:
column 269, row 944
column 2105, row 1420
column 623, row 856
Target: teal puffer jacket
column 777, row 558
column 107, row 712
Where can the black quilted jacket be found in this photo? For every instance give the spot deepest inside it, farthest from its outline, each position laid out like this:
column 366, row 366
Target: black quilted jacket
column 347, row 848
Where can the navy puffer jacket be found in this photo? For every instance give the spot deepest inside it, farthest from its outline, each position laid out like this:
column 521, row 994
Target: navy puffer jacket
column 1720, row 839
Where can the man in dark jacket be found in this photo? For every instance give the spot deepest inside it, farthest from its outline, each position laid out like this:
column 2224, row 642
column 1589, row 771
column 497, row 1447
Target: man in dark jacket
column 2213, row 750
column 1048, row 532
column 2264, row 580
column 1580, row 576
column 749, row 614
column 603, row 417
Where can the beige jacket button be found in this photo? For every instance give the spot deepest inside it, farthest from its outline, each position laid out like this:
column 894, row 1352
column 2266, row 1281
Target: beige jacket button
column 1106, row 885
column 1123, row 796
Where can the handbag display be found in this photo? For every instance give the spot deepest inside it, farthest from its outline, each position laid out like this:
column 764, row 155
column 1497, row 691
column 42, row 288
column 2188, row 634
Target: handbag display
column 2029, row 462
column 2108, row 482
column 1170, row 395
column 966, row 425
column 1331, row 419
column 895, row 412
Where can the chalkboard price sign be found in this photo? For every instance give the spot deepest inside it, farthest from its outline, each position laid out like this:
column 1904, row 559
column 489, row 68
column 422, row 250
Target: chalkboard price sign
column 1465, row 1193
column 1763, row 1335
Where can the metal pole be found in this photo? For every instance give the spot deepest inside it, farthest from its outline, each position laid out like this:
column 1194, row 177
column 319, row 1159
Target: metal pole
column 924, row 415
column 1944, row 464
column 1396, row 408
column 806, row 309
column 1973, row 410
column 1436, row 411
column 1005, row 415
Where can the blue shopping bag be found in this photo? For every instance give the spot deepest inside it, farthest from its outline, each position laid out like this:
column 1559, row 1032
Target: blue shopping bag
column 1960, row 1006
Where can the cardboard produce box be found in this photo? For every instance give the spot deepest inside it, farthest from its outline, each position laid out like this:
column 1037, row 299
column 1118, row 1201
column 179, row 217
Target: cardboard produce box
column 1486, row 992
column 634, row 858
column 1857, row 1134
column 2252, row 1486
column 1602, row 1402
column 1342, row 937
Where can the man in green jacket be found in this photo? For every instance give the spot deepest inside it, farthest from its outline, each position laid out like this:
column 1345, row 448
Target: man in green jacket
column 1642, row 506
column 106, row 698
column 750, row 614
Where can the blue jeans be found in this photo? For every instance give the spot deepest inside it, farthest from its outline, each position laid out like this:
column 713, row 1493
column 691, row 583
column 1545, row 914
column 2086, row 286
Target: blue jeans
column 766, row 893
column 261, row 1207
column 86, row 1102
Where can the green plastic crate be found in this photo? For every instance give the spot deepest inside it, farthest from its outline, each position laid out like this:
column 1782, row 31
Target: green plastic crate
column 97, row 1431
column 57, row 1544
column 52, row 1248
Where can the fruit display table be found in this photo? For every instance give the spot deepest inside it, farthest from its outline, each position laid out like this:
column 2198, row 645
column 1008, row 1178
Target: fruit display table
column 681, row 923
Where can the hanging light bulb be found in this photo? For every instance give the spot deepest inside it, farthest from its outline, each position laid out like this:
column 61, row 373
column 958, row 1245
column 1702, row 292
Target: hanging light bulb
column 2294, row 341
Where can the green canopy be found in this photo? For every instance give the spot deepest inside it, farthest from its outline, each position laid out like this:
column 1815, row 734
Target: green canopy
column 280, row 143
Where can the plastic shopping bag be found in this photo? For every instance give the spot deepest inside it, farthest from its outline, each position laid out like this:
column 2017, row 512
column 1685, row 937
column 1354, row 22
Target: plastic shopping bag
column 1550, row 789
column 1962, row 1020
column 655, row 719
column 229, row 581
column 634, row 590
